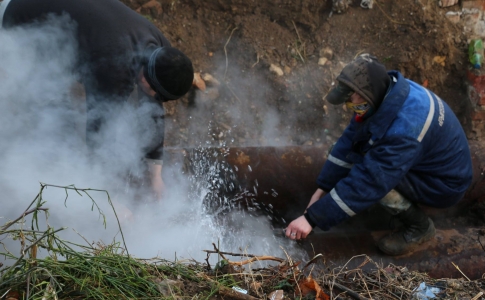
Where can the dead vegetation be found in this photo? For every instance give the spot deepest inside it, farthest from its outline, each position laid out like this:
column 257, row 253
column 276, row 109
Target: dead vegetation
column 100, row 271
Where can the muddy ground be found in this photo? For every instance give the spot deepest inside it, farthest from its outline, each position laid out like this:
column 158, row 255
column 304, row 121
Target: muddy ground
column 237, row 42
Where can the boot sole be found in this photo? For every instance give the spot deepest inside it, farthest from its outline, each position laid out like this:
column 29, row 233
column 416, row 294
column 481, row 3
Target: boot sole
column 430, row 233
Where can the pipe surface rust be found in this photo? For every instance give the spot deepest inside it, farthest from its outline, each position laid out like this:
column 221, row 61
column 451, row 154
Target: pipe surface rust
column 279, row 181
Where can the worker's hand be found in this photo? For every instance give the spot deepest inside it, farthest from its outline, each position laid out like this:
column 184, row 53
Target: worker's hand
column 298, row 229
column 319, row 193
column 158, row 186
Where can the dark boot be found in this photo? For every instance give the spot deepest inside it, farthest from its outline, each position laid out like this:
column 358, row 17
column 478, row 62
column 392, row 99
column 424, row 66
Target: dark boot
column 417, row 229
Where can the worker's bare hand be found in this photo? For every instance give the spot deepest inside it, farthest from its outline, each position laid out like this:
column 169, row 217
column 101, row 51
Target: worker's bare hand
column 298, row 229
column 158, row 187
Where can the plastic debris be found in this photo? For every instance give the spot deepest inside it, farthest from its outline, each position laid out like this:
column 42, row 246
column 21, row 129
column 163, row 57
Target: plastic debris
column 425, row 292
column 239, row 290
column 276, row 295
column 367, row 4
column 475, row 53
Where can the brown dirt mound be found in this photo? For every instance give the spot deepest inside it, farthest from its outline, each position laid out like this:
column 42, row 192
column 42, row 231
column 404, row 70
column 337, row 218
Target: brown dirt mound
column 237, row 42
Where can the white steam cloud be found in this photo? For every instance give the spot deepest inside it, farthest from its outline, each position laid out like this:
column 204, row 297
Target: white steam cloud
column 42, row 140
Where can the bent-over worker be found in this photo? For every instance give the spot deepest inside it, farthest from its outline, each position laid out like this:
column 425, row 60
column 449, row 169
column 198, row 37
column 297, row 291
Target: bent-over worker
column 117, row 49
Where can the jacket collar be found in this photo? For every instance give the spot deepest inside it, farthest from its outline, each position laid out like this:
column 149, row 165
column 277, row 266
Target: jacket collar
column 379, row 123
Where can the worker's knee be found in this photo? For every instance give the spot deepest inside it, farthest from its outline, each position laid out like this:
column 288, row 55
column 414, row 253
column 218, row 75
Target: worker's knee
column 394, row 202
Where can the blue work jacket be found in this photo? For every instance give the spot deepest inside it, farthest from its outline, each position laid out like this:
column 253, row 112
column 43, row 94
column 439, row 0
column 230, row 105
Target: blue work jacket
column 413, row 143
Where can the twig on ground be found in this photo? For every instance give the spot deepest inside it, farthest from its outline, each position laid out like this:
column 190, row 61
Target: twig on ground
column 6, row 226
column 365, row 284
column 256, row 258
column 225, row 51
column 294, row 26
column 257, row 60
column 394, row 21
column 299, row 40
column 294, row 273
column 319, row 255
column 388, row 17
column 477, row 296
column 230, row 253
column 208, row 263
column 458, row 268
column 232, row 92
column 240, row 263
column 1, row 297
column 87, row 242
column 218, row 252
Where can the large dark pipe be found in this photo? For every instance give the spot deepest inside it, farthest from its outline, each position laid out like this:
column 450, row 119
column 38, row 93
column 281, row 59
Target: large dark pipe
column 279, row 182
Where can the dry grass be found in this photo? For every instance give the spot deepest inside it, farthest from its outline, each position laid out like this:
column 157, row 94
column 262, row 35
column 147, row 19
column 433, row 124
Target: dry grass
column 73, row 271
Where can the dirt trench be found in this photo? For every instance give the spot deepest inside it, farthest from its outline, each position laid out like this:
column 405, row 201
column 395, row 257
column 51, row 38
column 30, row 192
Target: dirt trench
column 272, row 63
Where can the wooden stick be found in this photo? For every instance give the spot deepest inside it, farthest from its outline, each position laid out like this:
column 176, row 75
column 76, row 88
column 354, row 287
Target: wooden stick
column 229, row 253
column 225, row 50
column 460, row 271
column 219, row 252
column 255, row 258
column 477, row 296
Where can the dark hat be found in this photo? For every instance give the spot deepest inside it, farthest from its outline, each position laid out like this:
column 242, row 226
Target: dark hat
column 364, row 75
column 339, row 94
column 169, row 72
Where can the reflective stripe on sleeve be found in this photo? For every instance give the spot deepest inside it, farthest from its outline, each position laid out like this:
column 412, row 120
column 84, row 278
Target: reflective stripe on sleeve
column 339, row 162
column 429, row 119
column 341, row 203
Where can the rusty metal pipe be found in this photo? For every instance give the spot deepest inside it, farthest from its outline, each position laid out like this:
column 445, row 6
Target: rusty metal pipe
column 284, row 178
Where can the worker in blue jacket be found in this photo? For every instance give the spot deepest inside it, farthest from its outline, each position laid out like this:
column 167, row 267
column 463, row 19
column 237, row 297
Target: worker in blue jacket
column 403, row 147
